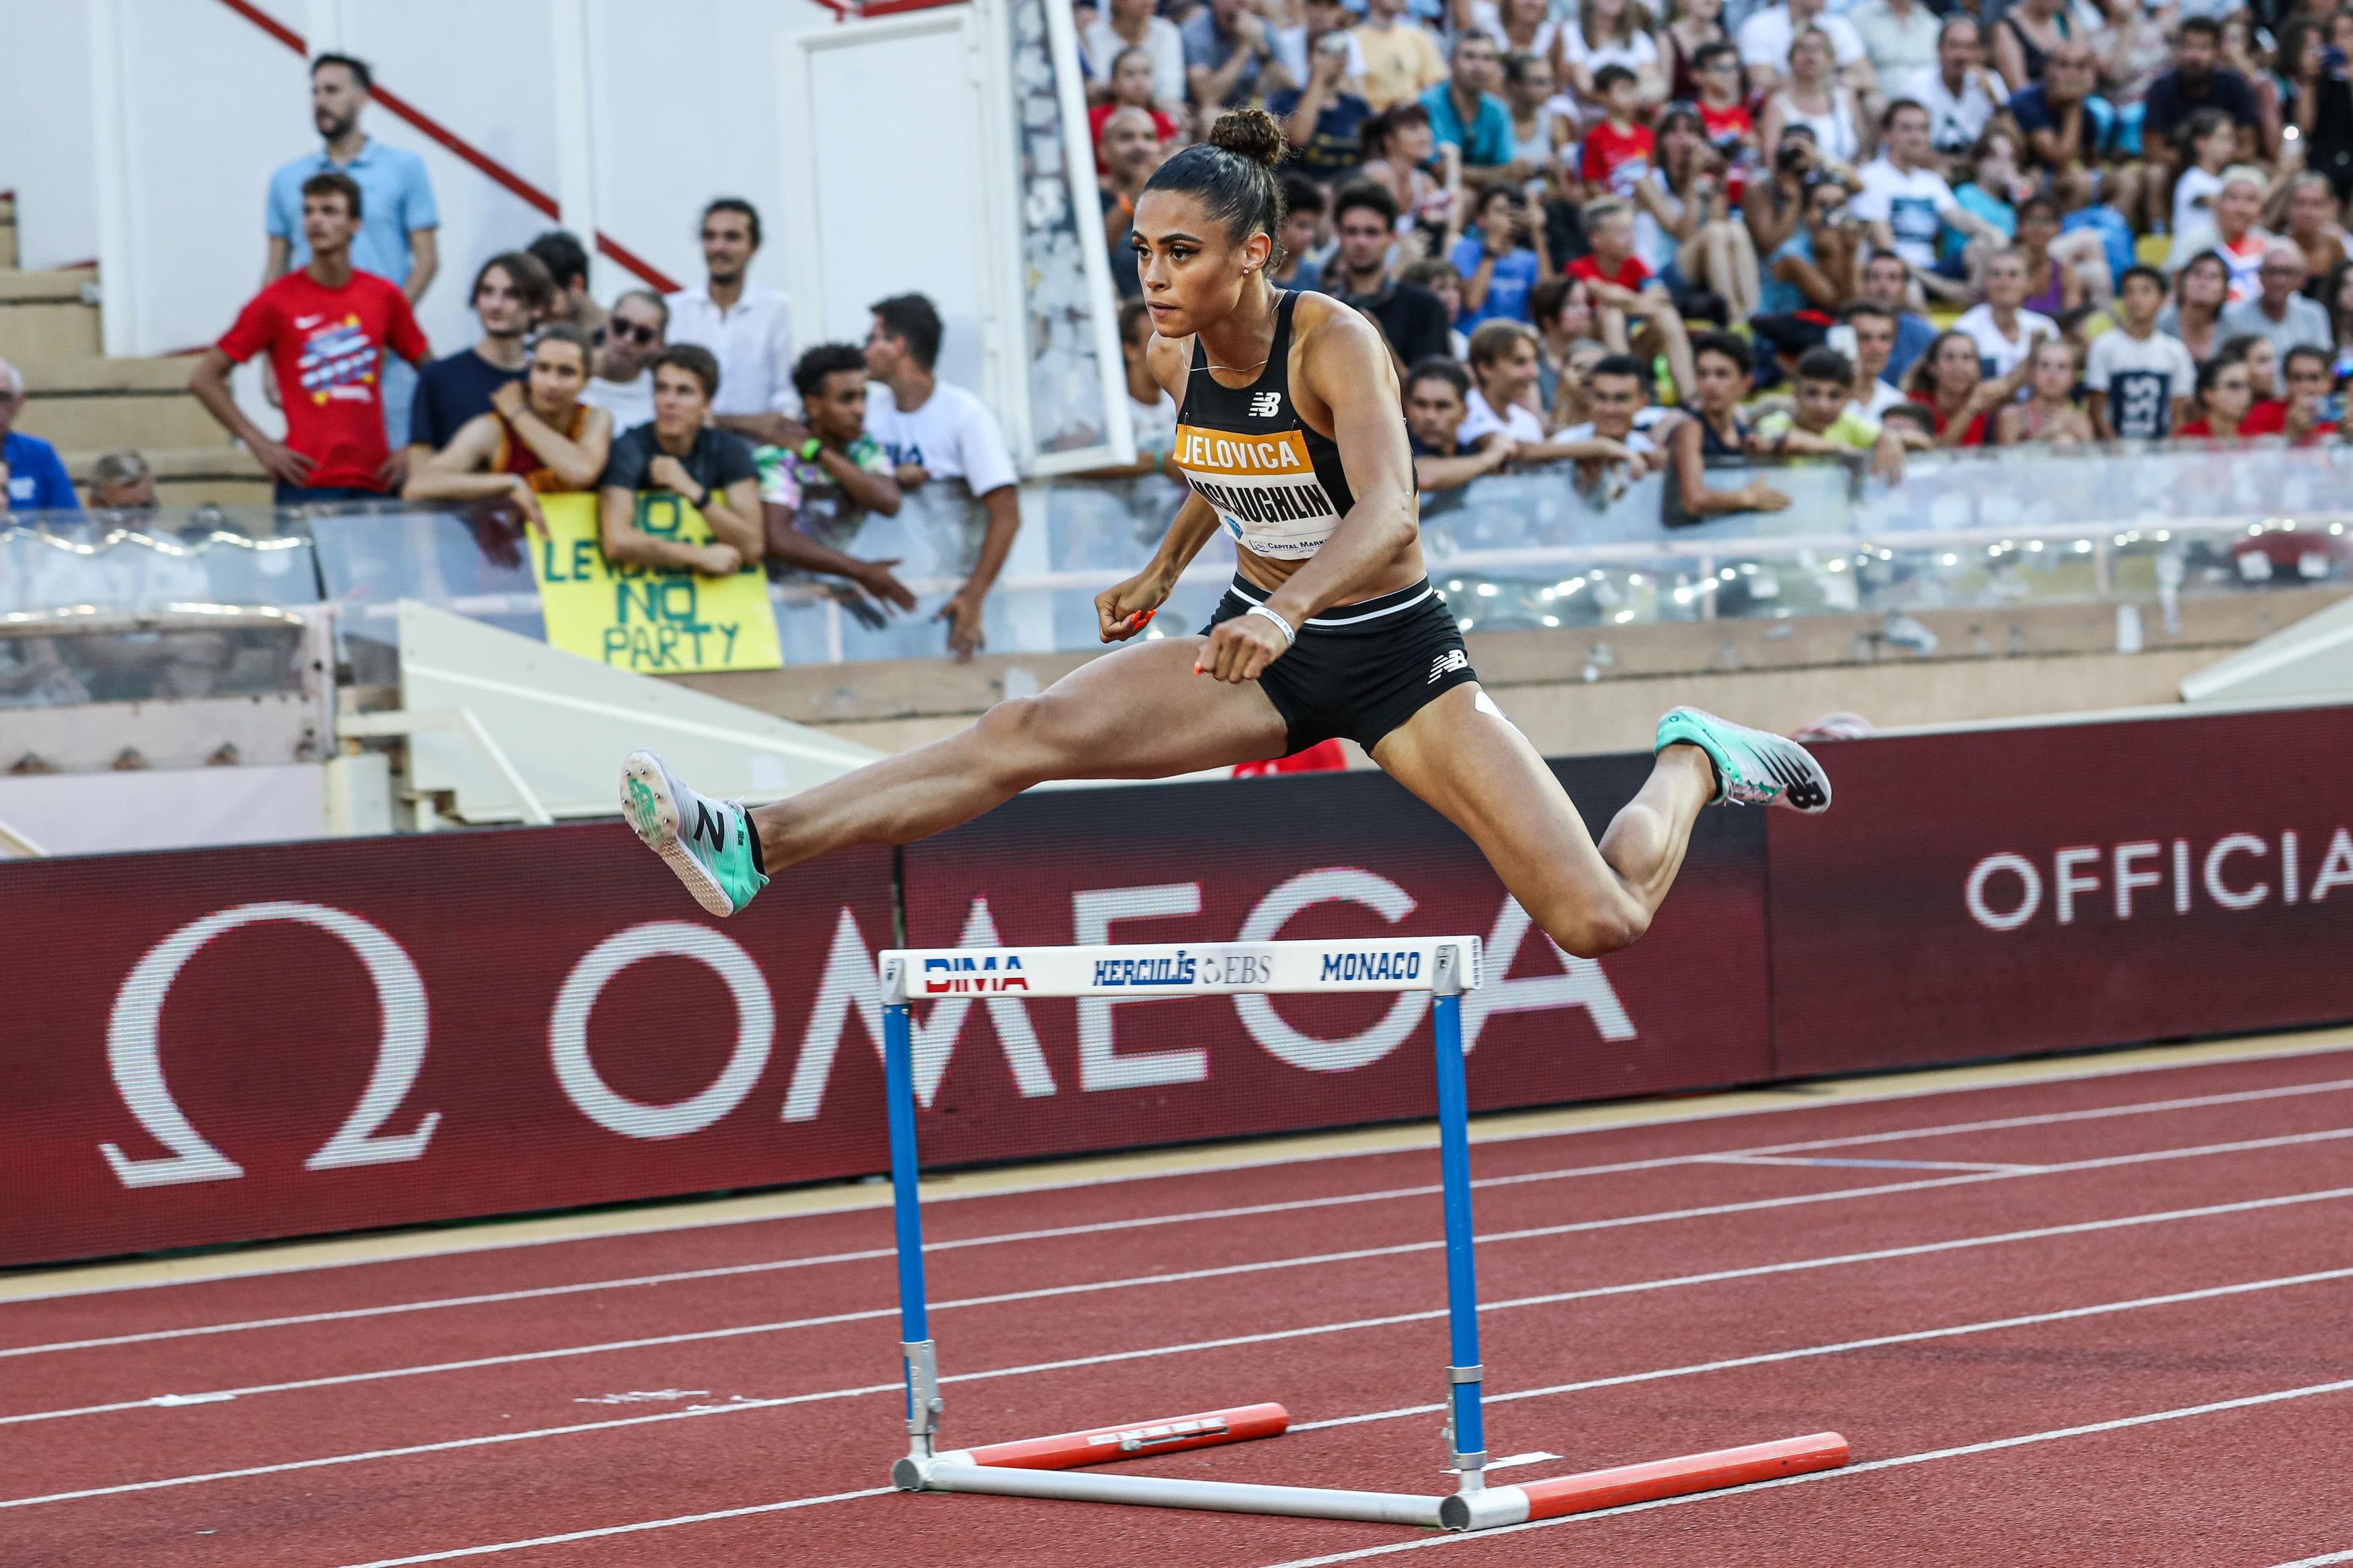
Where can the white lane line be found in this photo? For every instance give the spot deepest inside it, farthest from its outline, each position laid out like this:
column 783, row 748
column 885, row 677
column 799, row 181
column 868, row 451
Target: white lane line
column 1514, row 1461
column 1863, row 1468
column 1823, row 1162
column 2319, row 1562
column 1032, row 1368
column 1899, row 1461
column 1244, row 1211
column 739, row 1330
column 611, row 1530
column 1318, row 1157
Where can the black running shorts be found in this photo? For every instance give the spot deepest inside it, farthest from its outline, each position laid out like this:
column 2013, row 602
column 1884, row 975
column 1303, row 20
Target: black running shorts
column 1360, row 669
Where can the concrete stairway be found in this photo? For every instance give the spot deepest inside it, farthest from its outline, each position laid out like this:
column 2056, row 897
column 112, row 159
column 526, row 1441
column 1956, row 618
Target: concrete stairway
column 88, row 404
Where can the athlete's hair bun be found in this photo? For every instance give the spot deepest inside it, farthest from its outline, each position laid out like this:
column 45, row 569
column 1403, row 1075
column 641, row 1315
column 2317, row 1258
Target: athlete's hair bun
column 1251, row 133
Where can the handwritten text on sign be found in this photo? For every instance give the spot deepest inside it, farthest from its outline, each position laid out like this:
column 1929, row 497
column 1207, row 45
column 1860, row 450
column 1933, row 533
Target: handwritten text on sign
column 655, row 620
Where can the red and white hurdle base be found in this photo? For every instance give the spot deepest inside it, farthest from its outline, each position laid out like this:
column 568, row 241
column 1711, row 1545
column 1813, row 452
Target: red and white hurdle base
column 1055, row 1467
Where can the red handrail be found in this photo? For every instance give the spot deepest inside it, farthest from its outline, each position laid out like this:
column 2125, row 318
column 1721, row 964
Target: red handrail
column 497, row 173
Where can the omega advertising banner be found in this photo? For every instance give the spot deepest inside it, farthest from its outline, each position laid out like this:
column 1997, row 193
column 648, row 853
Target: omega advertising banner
column 1316, row 856
column 1997, row 892
column 226, row 1045
column 220, row 1045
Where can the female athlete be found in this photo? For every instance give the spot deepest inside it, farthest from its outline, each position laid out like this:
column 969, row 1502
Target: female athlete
column 1291, row 434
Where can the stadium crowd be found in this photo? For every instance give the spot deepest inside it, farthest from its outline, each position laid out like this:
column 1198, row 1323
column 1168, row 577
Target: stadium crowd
column 1590, row 234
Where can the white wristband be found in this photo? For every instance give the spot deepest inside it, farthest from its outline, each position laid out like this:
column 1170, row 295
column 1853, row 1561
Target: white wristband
column 1289, row 636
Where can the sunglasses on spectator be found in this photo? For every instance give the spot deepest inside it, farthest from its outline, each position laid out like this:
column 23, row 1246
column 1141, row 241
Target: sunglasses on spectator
column 635, row 331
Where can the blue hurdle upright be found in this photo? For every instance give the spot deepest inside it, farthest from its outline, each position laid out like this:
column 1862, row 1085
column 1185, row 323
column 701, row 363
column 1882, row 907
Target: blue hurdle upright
column 1054, row 1466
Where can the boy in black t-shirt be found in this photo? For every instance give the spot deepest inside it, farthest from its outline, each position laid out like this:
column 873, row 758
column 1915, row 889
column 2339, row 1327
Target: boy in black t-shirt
column 709, row 467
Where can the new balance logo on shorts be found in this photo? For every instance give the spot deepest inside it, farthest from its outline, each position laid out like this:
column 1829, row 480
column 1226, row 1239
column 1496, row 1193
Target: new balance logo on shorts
column 1266, row 405
column 1453, row 658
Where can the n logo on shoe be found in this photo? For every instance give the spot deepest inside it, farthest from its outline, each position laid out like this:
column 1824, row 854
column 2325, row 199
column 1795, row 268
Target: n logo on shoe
column 708, row 828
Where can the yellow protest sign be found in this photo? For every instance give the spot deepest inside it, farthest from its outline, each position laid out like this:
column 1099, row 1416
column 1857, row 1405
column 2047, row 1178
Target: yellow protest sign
column 655, row 620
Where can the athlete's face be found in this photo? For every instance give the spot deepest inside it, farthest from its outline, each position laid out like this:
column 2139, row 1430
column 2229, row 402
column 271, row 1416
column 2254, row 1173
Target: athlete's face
column 1193, row 272
column 1433, row 412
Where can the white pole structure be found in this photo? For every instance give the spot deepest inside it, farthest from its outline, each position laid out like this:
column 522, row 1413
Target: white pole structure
column 1444, row 967
column 110, row 124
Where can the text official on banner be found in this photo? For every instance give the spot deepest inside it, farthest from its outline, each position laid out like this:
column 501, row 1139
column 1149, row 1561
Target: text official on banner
column 650, row 619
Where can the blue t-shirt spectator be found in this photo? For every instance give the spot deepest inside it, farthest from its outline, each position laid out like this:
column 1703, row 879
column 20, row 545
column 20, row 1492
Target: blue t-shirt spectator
column 1338, row 143
column 395, row 201
column 1913, row 333
column 36, row 476
column 2096, row 132
column 1507, row 286
column 1776, row 296
column 1486, row 140
column 1975, row 198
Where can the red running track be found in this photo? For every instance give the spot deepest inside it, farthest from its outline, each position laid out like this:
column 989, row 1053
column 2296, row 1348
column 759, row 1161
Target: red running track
column 2101, row 1319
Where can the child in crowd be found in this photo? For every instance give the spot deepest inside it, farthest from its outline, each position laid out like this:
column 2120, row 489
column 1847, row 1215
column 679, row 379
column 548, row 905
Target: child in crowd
column 1824, row 422
column 1496, row 267
column 1618, row 150
column 2140, row 378
column 2049, row 413
column 1612, row 270
column 1723, row 110
column 2208, row 143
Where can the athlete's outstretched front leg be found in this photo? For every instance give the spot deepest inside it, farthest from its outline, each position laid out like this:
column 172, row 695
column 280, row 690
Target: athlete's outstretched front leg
column 1477, row 767
column 1140, row 712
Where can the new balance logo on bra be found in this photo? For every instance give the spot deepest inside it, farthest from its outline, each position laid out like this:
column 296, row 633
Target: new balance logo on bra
column 1453, row 658
column 1266, row 405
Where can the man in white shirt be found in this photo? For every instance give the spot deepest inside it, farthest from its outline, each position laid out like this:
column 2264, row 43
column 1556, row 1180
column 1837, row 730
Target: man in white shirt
column 2140, row 378
column 1903, row 206
column 2004, row 333
column 623, row 384
column 748, row 329
column 934, row 432
column 1960, row 96
column 1764, row 42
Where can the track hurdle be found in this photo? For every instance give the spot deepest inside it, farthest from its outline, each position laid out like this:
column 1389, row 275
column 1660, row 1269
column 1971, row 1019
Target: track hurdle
column 1058, row 1467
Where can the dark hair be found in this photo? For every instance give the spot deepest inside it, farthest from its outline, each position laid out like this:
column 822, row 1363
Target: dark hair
column 1923, row 369
column 1131, row 311
column 1546, row 299
column 2140, row 269
column 1887, row 116
column 810, row 370
column 1708, row 53
column 1301, row 195
column 1365, row 194
column 2039, row 203
column 1724, row 343
column 1608, row 77
column 660, row 305
column 1868, row 308
column 913, row 319
column 341, row 183
column 733, row 204
column 1517, row 64
column 1615, row 365
column 1437, row 367
column 566, row 332
column 1911, row 413
column 696, row 361
column 1382, row 128
column 2202, row 124
column 1825, row 364
column 1485, row 193
column 1495, row 339
column 358, row 67
column 2206, row 26
column 2305, row 350
column 2211, row 372
column 2235, row 349
column 525, row 276
column 1955, row 20
column 1232, row 175
column 564, row 257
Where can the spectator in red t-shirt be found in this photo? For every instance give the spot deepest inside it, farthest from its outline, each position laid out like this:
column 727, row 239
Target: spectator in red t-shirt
column 1617, row 274
column 1618, row 149
column 326, row 329
column 1950, row 381
column 1130, row 87
column 2226, row 395
column 1723, row 112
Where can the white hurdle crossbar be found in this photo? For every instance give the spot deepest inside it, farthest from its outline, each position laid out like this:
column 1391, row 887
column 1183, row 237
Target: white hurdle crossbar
column 1444, row 967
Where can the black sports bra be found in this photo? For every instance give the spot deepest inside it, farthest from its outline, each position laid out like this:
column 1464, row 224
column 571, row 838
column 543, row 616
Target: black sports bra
column 1276, row 485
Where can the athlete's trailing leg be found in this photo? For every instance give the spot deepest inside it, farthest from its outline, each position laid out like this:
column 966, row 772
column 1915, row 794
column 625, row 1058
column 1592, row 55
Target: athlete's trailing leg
column 1138, row 713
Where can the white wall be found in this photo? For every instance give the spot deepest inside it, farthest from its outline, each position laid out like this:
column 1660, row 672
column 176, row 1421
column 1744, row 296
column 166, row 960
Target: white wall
column 684, row 98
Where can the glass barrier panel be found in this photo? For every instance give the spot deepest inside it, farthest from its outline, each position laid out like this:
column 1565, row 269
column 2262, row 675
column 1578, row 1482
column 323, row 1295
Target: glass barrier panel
column 467, row 560
column 152, row 560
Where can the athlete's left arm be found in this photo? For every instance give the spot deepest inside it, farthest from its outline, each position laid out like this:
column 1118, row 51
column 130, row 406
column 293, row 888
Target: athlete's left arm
column 1346, row 368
